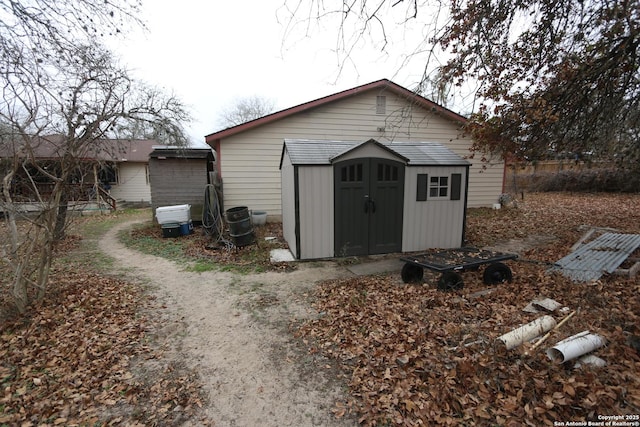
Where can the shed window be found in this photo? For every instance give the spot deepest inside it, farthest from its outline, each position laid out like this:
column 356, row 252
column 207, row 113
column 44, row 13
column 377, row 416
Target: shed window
column 438, row 187
column 387, row 173
column 351, row 173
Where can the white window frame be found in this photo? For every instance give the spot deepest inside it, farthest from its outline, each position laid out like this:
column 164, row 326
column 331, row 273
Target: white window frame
column 439, row 183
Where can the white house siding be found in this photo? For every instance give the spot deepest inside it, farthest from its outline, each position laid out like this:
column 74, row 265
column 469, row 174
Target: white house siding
column 316, row 211
column 431, row 223
column 250, row 160
column 288, row 204
column 133, row 183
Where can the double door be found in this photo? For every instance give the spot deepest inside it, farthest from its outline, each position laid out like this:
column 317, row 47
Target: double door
column 369, row 197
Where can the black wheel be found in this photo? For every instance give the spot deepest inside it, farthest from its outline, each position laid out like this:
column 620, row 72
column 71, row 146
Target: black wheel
column 497, row 273
column 412, row 273
column 450, row 281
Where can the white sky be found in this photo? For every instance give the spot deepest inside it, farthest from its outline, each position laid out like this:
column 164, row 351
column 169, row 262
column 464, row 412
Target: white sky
column 210, row 53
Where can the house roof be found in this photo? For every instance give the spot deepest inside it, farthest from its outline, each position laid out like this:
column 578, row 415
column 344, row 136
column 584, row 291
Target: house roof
column 160, row 152
column 118, row 150
column 379, row 84
column 318, row 152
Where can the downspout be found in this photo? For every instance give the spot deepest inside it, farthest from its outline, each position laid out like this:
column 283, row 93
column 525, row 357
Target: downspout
column 216, row 148
column 504, row 176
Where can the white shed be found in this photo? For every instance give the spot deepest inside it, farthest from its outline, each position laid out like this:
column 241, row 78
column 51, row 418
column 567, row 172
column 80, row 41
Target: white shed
column 345, row 198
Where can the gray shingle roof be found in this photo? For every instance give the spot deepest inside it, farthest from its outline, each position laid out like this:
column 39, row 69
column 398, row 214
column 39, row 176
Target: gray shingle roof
column 320, row 152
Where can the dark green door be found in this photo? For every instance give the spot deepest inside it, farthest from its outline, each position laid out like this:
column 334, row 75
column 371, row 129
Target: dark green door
column 369, row 197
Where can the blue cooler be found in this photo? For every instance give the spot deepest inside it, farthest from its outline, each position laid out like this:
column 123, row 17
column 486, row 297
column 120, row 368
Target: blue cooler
column 186, row 228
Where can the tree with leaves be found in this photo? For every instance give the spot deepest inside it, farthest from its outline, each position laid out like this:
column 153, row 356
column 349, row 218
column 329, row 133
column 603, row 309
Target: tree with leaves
column 58, row 79
column 244, row 110
column 552, row 75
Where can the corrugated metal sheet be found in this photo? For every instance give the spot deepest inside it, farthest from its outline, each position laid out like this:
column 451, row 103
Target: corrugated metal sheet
column 318, row 152
column 602, row 255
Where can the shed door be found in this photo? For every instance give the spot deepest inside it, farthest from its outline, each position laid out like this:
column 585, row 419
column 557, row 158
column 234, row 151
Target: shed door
column 369, row 197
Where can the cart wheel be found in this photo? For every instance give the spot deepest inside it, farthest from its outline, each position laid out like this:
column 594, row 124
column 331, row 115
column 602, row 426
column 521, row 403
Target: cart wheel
column 495, row 273
column 450, row 281
column 412, row 273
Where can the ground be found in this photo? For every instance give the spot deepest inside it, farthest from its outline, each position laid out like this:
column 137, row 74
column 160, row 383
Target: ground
column 154, row 343
column 229, row 329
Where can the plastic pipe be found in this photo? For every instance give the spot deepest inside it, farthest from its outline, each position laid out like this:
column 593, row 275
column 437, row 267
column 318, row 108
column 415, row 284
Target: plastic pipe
column 527, row 332
column 575, row 346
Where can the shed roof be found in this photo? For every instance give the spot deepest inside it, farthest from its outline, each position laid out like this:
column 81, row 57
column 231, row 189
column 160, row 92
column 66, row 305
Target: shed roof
column 170, row 152
column 320, row 152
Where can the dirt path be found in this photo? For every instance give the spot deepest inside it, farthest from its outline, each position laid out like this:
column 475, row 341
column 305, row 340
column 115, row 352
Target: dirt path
column 232, row 330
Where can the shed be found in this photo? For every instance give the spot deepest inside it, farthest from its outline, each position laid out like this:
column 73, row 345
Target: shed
column 344, row 198
column 179, row 176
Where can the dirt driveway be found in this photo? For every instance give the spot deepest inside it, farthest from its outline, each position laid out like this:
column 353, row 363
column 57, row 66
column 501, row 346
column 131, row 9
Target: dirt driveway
column 232, row 330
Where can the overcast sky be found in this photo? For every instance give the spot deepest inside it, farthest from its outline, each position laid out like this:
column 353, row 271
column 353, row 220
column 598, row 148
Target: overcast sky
column 212, row 52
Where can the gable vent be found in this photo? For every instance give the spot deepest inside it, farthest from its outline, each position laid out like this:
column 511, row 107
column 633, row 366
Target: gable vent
column 381, row 104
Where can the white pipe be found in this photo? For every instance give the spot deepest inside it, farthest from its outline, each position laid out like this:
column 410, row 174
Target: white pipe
column 575, row 346
column 527, row 332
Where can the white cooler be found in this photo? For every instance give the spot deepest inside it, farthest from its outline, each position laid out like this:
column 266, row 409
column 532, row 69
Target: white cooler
column 176, row 213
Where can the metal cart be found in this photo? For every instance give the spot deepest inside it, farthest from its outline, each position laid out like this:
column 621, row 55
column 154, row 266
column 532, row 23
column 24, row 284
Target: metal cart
column 452, row 261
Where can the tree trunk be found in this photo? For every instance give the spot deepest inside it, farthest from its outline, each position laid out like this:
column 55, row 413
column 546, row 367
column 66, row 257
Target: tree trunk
column 61, row 217
column 44, row 268
column 20, row 296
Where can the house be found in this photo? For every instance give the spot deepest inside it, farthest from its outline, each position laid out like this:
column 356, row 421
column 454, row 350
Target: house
column 119, row 167
column 130, row 182
column 248, row 155
column 342, row 198
column 179, row 176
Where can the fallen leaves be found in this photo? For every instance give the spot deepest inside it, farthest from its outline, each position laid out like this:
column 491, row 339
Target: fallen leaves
column 71, row 361
column 418, row 356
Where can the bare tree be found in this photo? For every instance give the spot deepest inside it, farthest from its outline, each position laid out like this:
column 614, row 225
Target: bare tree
column 58, row 79
column 96, row 98
column 551, row 75
column 244, row 110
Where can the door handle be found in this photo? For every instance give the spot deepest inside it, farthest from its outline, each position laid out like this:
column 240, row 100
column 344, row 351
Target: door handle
column 369, row 204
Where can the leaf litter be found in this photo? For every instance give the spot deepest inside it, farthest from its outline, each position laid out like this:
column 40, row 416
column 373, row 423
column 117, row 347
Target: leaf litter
column 413, row 355
column 77, row 359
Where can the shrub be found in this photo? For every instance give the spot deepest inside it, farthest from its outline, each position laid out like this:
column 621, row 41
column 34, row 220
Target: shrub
column 591, row 180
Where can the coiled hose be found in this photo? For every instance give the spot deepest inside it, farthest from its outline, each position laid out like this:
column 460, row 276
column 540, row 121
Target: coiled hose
column 212, row 220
